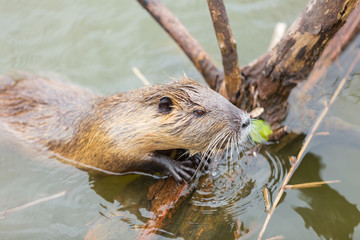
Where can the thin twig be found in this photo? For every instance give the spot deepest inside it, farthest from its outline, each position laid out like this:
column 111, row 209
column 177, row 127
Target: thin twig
column 279, row 32
column 279, row 133
column 292, row 159
column 143, row 79
column 191, row 47
column 305, row 145
column 44, row 199
column 322, row 134
column 280, row 237
column 266, row 198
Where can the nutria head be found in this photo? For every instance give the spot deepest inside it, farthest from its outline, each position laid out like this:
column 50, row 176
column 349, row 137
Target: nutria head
column 190, row 116
column 180, row 115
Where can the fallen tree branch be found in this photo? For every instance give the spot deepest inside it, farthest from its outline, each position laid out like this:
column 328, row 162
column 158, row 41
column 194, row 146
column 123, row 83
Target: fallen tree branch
column 183, row 38
column 270, row 79
column 232, row 75
column 340, row 41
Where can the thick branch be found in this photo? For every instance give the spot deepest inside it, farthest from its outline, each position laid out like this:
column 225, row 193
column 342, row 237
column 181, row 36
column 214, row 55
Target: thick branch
column 271, row 78
column 227, row 44
column 340, row 44
column 335, row 47
column 183, row 38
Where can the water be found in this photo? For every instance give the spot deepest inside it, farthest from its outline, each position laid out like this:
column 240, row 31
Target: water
column 95, row 45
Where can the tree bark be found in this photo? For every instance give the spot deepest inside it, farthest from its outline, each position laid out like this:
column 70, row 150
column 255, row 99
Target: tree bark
column 232, row 75
column 165, row 196
column 333, row 50
column 270, row 79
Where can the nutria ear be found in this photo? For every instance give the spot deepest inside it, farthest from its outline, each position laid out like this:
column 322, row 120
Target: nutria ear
column 165, row 105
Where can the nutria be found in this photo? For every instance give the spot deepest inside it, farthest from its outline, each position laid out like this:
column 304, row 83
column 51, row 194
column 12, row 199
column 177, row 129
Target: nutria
column 123, row 132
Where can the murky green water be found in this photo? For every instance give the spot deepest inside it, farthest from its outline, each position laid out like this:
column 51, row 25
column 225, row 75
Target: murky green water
column 95, row 44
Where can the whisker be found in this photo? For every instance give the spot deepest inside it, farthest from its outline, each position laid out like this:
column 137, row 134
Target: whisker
column 209, row 148
column 185, row 153
column 227, row 149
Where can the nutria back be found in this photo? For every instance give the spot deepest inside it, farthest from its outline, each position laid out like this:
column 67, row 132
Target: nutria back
column 40, row 109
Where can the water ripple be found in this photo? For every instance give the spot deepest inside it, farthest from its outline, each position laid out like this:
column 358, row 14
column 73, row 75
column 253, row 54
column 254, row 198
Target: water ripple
column 237, row 185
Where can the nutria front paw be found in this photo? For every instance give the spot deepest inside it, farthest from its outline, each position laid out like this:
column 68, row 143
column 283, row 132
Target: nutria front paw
column 180, row 170
column 197, row 161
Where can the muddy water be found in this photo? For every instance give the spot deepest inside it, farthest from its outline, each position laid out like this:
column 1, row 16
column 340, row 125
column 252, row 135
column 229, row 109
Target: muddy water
column 95, row 44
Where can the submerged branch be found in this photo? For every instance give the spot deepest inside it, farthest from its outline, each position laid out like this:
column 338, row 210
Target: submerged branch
column 165, row 198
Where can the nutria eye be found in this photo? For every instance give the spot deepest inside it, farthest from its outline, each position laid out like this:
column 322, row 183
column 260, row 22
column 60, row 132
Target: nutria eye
column 165, row 105
column 199, row 113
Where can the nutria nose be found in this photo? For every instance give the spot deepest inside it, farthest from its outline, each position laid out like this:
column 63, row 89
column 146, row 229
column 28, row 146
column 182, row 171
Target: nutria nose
column 246, row 123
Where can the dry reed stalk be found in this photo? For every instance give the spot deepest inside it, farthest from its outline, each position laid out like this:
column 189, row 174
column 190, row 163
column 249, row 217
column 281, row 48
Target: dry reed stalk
column 143, row 79
column 305, row 145
column 280, row 237
column 44, row 199
column 310, row 184
column 292, row 159
column 266, row 198
column 322, row 134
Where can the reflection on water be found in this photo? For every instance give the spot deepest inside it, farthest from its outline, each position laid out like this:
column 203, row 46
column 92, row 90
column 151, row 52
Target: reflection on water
column 329, row 213
column 228, row 200
column 126, row 210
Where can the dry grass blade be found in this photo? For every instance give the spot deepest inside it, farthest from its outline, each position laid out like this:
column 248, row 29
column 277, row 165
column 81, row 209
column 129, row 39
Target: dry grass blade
column 266, row 198
column 280, row 237
column 16, row 209
column 306, row 144
column 292, row 159
column 310, row 184
column 322, row 134
column 143, row 79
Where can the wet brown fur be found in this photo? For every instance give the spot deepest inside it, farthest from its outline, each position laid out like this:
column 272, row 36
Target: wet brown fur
column 118, row 132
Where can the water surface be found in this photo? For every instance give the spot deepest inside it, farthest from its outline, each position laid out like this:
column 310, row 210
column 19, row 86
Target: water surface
column 95, row 44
